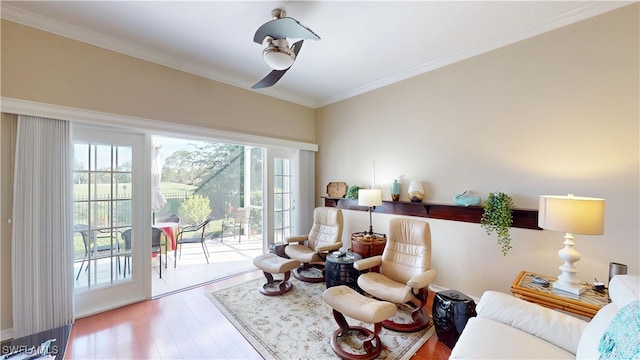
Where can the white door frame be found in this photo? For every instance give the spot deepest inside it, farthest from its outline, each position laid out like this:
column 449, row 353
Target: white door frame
column 138, row 286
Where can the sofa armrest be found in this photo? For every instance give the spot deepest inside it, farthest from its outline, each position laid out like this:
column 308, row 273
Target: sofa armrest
column 553, row 326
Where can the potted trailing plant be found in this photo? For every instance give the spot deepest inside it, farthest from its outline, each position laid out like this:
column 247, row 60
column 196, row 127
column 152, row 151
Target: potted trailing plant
column 498, row 217
column 352, row 193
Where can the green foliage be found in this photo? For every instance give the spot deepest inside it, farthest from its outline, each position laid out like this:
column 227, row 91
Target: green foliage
column 194, row 210
column 498, row 217
column 216, row 171
column 171, row 187
column 352, row 193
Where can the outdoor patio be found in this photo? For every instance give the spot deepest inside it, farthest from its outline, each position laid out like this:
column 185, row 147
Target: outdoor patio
column 226, row 258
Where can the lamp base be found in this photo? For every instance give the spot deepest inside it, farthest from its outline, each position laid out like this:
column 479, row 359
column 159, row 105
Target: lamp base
column 575, row 289
column 568, row 280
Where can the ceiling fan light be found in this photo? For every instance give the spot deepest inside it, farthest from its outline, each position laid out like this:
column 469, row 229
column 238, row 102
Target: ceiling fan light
column 278, row 58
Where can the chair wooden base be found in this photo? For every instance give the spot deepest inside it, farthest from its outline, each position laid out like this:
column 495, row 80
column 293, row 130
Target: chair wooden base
column 317, row 265
column 343, row 299
column 420, row 319
column 273, row 264
column 273, row 288
column 372, row 345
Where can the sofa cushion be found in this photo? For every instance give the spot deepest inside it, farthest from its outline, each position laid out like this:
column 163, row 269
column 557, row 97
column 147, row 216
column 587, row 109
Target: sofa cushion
column 622, row 338
column 588, row 346
column 555, row 327
column 624, row 289
column 484, row 338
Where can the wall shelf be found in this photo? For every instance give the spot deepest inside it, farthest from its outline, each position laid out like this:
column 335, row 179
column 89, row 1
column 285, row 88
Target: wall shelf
column 522, row 218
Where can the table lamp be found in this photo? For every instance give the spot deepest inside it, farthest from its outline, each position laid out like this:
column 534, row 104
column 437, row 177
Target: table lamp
column 572, row 215
column 370, row 198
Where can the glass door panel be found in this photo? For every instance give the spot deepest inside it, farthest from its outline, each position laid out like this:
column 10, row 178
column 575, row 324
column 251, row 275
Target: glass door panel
column 102, row 210
column 282, row 209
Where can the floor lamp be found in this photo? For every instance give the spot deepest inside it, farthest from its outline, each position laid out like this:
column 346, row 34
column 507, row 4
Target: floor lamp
column 572, row 215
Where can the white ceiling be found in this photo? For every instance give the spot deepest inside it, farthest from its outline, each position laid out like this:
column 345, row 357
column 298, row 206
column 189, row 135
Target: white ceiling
column 363, row 46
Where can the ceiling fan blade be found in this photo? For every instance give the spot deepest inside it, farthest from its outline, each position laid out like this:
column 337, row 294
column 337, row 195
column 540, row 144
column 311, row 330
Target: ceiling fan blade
column 270, row 79
column 296, row 47
column 275, row 75
column 284, row 28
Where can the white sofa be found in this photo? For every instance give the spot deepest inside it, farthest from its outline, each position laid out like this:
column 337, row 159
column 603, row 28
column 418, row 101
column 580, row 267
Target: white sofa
column 510, row 328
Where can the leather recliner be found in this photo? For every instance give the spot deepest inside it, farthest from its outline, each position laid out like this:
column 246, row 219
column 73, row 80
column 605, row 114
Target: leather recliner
column 311, row 249
column 405, row 271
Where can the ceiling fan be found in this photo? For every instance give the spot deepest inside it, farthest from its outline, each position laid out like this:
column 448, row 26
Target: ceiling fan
column 278, row 54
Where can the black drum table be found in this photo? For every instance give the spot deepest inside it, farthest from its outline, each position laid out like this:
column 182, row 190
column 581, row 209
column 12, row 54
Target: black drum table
column 339, row 270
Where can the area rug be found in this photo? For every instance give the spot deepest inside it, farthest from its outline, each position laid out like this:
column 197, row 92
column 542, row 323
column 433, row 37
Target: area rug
column 298, row 324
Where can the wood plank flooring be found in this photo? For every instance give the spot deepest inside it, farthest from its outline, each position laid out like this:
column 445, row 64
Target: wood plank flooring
column 183, row 325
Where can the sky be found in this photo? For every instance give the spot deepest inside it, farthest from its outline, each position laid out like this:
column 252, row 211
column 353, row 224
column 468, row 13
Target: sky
column 170, row 145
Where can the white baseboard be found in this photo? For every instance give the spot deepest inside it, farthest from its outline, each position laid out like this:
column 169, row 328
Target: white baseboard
column 6, row 334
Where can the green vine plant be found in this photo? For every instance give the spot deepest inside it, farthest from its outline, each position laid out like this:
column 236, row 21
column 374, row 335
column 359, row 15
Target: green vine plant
column 498, row 217
column 352, row 193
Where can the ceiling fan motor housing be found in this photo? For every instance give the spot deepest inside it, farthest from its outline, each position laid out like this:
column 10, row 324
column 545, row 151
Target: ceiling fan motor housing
column 277, row 54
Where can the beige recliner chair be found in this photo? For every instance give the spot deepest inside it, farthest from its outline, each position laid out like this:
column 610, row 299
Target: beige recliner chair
column 405, row 271
column 311, row 249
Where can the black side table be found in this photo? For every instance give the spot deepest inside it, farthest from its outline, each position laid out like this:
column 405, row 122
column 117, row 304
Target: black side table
column 339, row 270
column 278, row 249
column 451, row 311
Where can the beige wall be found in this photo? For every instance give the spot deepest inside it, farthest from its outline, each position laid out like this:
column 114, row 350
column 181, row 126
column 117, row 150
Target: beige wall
column 47, row 68
column 554, row 114
column 42, row 67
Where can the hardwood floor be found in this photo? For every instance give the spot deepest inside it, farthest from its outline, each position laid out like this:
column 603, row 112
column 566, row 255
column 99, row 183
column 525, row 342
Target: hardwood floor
column 183, row 325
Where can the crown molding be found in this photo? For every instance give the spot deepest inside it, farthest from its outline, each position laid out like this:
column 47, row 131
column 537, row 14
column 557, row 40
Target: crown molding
column 575, row 15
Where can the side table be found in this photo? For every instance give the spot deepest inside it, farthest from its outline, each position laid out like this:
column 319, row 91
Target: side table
column 586, row 304
column 340, row 271
column 278, row 249
column 368, row 245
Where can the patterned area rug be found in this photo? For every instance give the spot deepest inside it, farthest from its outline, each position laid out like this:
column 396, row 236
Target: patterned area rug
column 298, row 324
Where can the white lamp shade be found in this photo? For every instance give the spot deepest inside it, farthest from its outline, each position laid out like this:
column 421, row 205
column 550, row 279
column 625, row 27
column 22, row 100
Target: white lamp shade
column 572, row 214
column 369, row 197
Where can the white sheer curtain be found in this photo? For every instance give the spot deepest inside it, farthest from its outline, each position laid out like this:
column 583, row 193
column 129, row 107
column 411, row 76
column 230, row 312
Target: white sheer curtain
column 42, row 246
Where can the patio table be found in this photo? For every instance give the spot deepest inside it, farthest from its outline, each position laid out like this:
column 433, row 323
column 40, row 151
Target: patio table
column 170, row 229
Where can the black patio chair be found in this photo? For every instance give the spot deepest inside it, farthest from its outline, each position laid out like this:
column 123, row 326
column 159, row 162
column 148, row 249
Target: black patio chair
column 169, row 218
column 240, row 221
column 91, row 248
column 156, row 248
column 193, row 234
